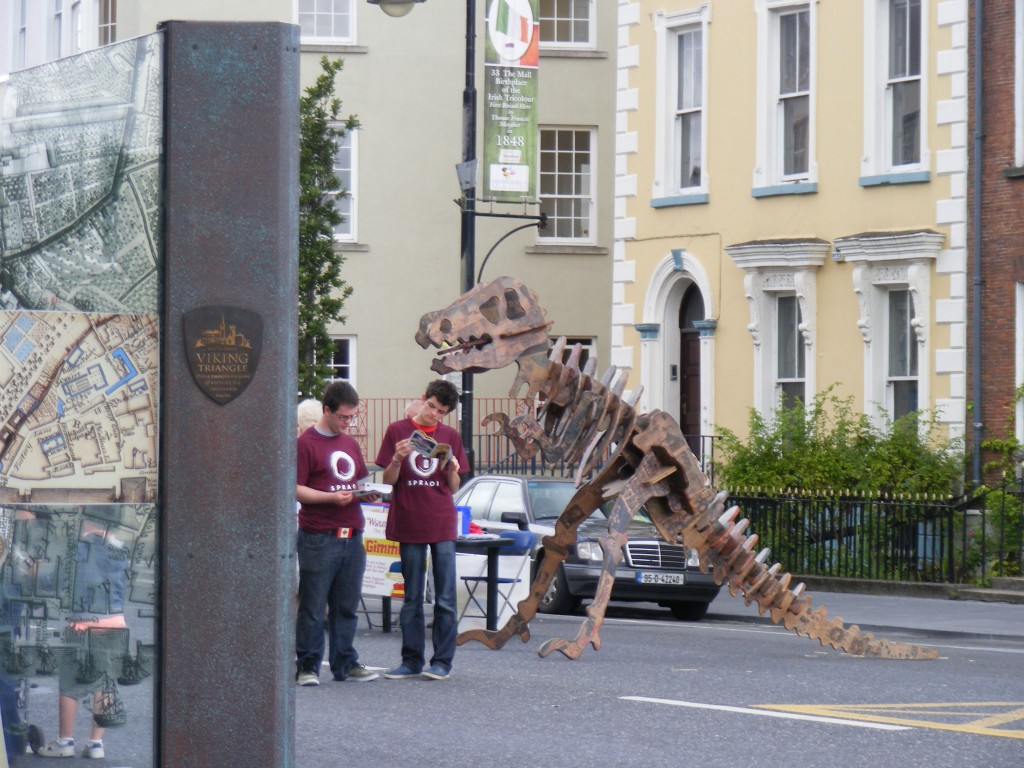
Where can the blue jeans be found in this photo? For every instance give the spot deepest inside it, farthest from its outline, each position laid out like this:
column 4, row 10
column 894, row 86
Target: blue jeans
column 414, row 558
column 331, row 575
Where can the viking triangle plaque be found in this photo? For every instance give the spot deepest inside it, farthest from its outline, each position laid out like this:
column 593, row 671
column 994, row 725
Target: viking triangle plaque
column 222, row 344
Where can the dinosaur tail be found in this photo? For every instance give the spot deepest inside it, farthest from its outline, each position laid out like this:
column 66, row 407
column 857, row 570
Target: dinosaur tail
column 723, row 544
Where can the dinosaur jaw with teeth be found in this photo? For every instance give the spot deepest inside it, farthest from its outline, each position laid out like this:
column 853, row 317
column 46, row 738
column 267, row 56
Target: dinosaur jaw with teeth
column 462, row 356
column 486, row 328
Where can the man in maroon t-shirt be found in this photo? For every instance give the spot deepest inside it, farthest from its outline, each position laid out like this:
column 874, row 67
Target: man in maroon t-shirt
column 330, row 541
column 421, row 518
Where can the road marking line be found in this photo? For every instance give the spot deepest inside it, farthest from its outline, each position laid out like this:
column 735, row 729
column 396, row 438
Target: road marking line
column 915, row 714
column 764, row 713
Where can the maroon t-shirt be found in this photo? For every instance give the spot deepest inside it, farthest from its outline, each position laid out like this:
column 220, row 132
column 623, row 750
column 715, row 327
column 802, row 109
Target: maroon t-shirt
column 422, row 510
column 329, row 463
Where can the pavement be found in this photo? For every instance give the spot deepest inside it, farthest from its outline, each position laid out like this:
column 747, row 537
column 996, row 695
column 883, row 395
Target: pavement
column 932, row 616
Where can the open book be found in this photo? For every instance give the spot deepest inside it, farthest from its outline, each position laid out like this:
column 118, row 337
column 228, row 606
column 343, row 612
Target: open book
column 429, row 447
column 369, row 489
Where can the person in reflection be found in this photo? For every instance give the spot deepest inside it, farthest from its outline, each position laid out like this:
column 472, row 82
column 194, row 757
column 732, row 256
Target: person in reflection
column 422, row 519
column 329, row 541
column 102, row 562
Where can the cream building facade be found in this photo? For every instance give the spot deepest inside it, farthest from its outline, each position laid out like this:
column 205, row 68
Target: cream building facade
column 404, row 79
column 791, row 206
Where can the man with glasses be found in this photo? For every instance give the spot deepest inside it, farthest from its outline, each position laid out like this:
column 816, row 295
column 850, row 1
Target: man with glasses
column 422, row 520
column 330, row 541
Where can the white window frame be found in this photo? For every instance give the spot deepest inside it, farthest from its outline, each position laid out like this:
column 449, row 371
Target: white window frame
column 773, row 268
column 331, row 39
column 882, row 262
column 911, row 331
column 55, row 29
column 347, row 232
column 77, row 44
column 800, row 351
column 350, row 341
column 588, row 194
column 106, row 33
column 19, row 58
column 876, row 160
column 768, row 176
column 668, row 27
column 590, row 23
column 1018, row 81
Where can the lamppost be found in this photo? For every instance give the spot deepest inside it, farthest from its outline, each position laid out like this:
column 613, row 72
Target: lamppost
column 467, row 180
column 467, row 171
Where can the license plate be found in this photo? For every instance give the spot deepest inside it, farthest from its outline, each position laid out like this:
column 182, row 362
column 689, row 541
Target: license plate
column 652, row 577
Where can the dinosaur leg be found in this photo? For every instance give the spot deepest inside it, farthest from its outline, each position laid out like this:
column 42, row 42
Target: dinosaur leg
column 556, row 547
column 611, row 546
column 647, row 482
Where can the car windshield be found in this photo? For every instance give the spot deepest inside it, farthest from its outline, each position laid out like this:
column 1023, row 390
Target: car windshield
column 548, row 499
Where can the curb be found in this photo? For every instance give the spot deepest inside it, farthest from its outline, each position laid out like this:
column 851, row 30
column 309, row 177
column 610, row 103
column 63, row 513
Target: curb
column 910, row 589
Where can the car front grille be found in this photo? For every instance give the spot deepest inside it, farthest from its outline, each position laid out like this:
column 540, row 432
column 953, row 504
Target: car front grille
column 656, row 554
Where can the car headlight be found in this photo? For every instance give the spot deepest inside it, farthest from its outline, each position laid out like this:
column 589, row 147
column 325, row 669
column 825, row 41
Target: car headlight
column 589, row 550
column 693, row 561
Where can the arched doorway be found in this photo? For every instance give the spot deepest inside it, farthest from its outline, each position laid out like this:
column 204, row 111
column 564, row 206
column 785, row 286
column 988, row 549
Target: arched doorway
column 691, row 308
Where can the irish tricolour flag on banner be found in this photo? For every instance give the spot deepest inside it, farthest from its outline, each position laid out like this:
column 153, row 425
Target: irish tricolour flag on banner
column 512, row 28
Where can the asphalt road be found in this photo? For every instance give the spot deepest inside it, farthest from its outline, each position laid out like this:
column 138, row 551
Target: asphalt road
column 731, row 690
column 666, row 693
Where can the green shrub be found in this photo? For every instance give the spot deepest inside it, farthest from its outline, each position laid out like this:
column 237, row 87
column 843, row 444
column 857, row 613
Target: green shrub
column 827, row 447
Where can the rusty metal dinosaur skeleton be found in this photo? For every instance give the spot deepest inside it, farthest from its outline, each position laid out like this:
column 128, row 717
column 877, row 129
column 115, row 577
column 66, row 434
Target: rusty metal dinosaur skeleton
column 639, row 460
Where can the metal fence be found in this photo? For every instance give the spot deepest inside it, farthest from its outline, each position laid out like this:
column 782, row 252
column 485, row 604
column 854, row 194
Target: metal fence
column 859, row 537
column 993, row 533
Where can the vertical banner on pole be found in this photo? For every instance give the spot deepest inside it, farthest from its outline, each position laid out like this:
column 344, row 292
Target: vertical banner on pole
column 511, row 62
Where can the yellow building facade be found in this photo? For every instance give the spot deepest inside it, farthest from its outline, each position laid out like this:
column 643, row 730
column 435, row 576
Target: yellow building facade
column 791, row 206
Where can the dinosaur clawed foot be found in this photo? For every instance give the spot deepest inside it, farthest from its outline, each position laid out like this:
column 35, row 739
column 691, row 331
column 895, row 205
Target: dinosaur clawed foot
column 496, row 640
column 573, row 649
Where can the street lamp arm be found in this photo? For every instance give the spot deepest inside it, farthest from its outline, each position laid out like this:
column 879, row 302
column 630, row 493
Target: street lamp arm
column 542, row 221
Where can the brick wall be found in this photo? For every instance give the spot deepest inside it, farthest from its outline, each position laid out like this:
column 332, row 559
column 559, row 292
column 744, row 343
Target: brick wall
column 1002, row 219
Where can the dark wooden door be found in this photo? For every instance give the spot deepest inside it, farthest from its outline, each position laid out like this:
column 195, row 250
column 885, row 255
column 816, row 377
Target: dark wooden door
column 691, row 308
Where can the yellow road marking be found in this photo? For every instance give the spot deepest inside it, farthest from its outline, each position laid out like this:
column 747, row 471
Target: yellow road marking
column 979, row 717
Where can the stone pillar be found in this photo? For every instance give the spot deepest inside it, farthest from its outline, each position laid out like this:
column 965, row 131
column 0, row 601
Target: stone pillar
column 227, row 463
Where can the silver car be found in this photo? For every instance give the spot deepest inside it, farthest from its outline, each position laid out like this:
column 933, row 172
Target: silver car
column 650, row 571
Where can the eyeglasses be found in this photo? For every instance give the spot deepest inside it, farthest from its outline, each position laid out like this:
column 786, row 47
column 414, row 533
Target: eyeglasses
column 344, row 418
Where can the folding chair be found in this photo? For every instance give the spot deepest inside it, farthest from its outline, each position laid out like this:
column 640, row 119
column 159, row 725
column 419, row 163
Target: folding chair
column 521, row 546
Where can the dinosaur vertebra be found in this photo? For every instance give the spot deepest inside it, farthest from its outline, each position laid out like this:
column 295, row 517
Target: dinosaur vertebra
column 640, row 460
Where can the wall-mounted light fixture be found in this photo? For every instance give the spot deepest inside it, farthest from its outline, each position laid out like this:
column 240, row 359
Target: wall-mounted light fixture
column 395, row 7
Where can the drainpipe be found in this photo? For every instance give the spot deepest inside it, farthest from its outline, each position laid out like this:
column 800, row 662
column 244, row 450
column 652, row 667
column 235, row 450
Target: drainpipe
column 976, row 282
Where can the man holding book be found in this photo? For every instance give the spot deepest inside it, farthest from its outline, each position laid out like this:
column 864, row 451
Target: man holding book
column 422, row 458
column 329, row 472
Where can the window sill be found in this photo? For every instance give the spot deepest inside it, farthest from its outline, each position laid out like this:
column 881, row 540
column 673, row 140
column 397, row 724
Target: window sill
column 674, row 200
column 567, row 250
column 885, row 179
column 795, row 188
column 572, row 53
column 350, row 247
column 332, row 48
column 1016, row 172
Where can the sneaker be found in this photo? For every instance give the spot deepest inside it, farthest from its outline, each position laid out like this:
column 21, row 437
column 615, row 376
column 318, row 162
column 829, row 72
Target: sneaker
column 357, row 673
column 308, row 678
column 58, row 748
column 437, row 672
column 401, row 673
column 94, row 750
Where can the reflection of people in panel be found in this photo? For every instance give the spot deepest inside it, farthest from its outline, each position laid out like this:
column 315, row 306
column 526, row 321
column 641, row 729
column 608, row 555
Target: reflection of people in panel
column 101, row 570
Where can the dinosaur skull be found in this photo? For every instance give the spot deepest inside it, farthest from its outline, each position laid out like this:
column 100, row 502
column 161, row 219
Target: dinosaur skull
column 486, row 328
